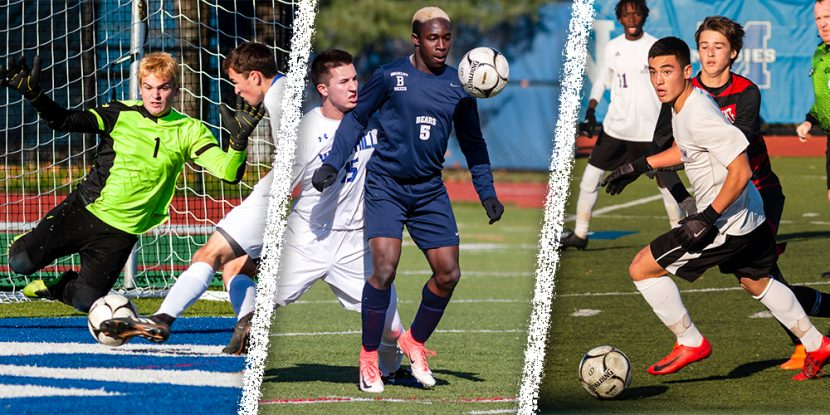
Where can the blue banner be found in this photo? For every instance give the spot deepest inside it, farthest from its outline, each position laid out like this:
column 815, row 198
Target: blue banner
column 778, row 46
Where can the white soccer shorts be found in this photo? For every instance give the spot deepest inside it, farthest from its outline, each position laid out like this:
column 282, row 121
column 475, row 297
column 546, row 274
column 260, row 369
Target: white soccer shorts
column 245, row 224
column 340, row 258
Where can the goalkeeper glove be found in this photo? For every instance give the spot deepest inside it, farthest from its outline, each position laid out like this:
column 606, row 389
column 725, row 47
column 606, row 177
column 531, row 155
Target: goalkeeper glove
column 624, row 175
column 241, row 123
column 19, row 77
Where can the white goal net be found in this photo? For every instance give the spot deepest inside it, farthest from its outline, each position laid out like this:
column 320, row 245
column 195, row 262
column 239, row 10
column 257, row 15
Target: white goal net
column 87, row 48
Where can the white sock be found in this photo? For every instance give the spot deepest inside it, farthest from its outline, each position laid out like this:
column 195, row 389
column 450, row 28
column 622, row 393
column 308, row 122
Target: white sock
column 663, row 296
column 389, row 356
column 242, row 292
column 781, row 302
column 672, row 208
column 187, row 289
column 588, row 194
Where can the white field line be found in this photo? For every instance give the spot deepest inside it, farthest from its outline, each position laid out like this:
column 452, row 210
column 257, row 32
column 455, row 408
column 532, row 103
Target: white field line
column 35, row 348
column 692, row 290
column 494, row 411
column 36, row 391
column 356, row 332
column 600, row 211
column 171, row 377
column 353, row 399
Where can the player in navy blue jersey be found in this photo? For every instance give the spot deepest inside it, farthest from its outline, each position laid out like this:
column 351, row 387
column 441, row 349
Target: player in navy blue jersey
column 418, row 99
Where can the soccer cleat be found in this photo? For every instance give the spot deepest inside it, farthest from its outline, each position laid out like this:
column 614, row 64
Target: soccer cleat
column 814, row 361
column 680, row 357
column 241, row 337
column 37, row 289
column 402, row 377
column 150, row 328
column 417, row 355
column 569, row 239
column 370, row 379
column 796, row 361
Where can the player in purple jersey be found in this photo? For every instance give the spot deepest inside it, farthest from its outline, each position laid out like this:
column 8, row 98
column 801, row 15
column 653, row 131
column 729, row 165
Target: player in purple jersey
column 418, row 99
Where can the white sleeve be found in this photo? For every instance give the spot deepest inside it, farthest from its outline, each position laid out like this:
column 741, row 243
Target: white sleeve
column 273, row 104
column 603, row 80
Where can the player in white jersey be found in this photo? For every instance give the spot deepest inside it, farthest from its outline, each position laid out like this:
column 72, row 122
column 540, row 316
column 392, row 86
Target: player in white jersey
column 238, row 237
column 324, row 238
column 728, row 232
column 628, row 126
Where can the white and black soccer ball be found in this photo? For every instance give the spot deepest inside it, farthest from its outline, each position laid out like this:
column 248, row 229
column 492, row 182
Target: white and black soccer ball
column 483, row 72
column 605, row 372
column 105, row 308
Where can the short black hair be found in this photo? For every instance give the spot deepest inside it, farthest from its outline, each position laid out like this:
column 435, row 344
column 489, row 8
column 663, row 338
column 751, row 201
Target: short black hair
column 325, row 61
column 671, row 46
column 251, row 56
column 639, row 5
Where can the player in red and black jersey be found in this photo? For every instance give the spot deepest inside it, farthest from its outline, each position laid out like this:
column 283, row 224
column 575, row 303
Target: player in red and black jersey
column 719, row 40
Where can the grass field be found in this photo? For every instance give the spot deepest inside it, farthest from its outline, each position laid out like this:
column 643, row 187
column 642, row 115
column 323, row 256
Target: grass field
column 596, row 303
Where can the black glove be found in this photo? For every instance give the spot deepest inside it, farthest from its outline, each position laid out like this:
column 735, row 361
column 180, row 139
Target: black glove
column 624, row 175
column 241, row 123
column 688, row 206
column 19, row 77
column 695, row 229
column 324, row 177
column 494, row 209
column 587, row 128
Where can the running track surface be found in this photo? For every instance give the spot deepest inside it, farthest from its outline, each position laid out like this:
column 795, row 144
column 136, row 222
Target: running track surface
column 52, row 365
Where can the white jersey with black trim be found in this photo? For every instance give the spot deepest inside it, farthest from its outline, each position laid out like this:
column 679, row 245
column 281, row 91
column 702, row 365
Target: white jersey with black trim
column 339, row 207
column 708, row 143
column 633, row 109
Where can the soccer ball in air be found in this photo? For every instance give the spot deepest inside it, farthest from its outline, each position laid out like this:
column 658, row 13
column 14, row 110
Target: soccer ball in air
column 483, row 72
column 605, row 372
column 105, row 308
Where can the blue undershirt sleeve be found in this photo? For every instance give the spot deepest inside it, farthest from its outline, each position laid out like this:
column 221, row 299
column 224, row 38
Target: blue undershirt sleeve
column 471, row 141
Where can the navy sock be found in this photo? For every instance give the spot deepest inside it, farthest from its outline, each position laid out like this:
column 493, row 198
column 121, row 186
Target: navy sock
column 815, row 303
column 429, row 314
column 373, row 314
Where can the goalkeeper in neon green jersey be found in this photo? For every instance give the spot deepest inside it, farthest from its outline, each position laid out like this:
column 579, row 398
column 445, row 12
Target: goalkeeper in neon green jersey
column 144, row 146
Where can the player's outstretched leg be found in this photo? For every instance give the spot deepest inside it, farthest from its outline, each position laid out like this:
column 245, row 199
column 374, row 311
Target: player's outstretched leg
column 373, row 316
column 152, row 328
column 588, row 194
column 54, row 291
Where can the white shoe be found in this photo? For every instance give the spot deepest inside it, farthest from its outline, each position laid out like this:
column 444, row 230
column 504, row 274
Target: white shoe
column 417, row 355
column 370, row 379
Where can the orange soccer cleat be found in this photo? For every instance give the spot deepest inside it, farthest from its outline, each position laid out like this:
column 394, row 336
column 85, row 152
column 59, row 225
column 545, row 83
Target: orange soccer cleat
column 796, row 361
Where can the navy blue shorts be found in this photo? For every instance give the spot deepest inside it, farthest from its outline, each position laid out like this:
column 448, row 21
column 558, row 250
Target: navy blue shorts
column 424, row 207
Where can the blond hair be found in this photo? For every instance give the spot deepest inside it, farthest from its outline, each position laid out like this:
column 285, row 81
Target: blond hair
column 426, row 14
column 161, row 64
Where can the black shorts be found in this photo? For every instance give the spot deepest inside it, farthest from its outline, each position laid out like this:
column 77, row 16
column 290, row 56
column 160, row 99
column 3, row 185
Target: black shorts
column 751, row 255
column 70, row 228
column 773, row 199
column 610, row 152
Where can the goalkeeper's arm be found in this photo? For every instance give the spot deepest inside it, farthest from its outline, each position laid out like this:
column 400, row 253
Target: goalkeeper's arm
column 20, row 78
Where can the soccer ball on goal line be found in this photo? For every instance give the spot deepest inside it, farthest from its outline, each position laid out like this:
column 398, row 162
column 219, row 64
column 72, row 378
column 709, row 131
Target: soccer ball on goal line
column 605, row 372
column 105, row 308
column 483, row 72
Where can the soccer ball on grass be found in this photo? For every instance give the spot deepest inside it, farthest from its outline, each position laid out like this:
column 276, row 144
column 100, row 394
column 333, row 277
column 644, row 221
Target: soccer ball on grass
column 483, row 72
column 605, row 372
column 105, row 308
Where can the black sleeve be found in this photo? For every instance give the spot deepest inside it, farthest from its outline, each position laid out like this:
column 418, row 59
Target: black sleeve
column 748, row 111
column 663, row 134
column 63, row 120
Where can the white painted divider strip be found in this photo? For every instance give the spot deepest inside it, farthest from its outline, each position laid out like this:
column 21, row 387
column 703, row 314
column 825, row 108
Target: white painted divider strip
column 36, row 391
column 600, row 211
column 171, row 377
column 36, row 348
